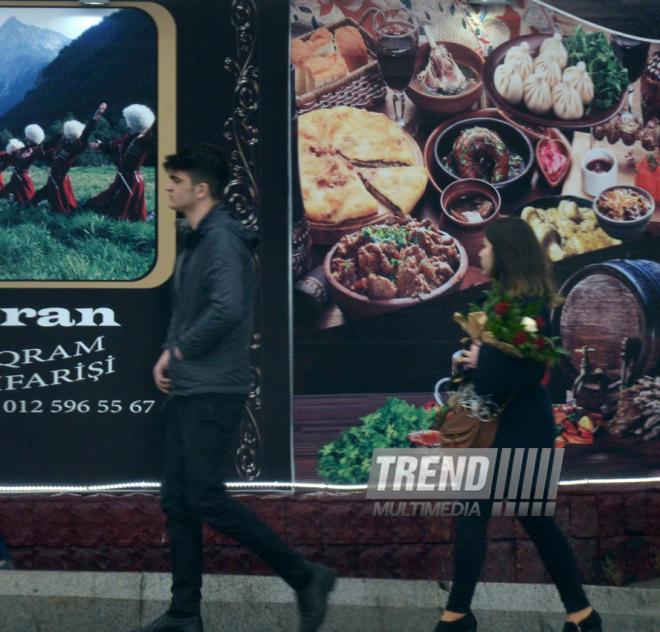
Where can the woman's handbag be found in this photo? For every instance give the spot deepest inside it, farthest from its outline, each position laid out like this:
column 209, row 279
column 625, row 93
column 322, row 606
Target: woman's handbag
column 470, row 422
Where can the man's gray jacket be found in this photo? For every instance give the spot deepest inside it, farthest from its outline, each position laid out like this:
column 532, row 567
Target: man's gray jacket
column 212, row 307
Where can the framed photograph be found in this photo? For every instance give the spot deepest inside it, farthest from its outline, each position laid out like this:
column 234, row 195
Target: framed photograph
column 87, row 114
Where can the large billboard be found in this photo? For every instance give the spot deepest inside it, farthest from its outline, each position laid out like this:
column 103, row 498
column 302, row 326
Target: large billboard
column 419, row 124
column 88, row 243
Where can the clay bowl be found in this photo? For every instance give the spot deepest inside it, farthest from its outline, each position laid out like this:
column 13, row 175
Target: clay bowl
column 520, row 112
column 447, row 104
column 564, row 148
column 627, row 229
column 513, row 138
column 470, row 234
column 356, row 306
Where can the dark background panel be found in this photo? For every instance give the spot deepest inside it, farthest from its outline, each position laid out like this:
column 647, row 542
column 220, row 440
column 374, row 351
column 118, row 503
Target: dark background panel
column 93, row 449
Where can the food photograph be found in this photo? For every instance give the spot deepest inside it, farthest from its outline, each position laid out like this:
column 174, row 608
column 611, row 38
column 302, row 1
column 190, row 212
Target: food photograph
column 415, row 127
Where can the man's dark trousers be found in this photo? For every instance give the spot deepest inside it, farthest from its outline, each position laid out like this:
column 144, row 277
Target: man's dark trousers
column 197, row 446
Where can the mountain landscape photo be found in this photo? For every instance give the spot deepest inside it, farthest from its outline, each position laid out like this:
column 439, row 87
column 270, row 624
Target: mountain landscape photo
column 114, row 61
column 48, row 78
column 26, row 50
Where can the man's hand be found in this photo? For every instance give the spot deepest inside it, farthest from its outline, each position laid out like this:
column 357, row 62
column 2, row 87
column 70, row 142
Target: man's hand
column 177, row 353
column 100, row 111
column 95, row 144
column 471, row 357
column 163, row 383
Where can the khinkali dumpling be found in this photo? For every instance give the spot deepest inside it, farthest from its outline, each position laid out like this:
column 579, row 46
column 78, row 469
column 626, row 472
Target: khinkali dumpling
column 509, row 83
column 520, row 55
column 566, row 101
column 554, row 45
column 549, row 66
column 579, row 78
column 536, row 91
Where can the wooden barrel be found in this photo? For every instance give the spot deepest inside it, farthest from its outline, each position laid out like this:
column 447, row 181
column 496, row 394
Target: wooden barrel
column 605, row 303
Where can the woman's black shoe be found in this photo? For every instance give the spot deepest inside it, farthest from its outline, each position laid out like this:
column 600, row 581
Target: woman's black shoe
column 468, row 623
column 592, row 623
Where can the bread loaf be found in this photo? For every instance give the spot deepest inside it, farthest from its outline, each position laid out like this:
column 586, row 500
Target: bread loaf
column 321, row 42
column 322, row 70
column 350, row 46
column 300, row 53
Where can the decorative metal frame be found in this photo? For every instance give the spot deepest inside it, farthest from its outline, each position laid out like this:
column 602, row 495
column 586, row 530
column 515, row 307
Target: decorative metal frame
column 241, row 196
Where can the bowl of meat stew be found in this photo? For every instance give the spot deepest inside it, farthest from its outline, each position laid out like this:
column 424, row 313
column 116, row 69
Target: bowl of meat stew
column 487, row 149
column 389, row 266
column 624, row 212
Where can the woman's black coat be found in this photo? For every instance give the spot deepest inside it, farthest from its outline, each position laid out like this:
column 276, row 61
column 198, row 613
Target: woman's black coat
column 527, row 420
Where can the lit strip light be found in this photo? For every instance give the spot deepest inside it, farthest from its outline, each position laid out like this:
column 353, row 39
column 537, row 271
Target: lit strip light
column 150, row 485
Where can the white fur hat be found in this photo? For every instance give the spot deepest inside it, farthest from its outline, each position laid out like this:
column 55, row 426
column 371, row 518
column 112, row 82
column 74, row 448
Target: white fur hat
column 139, row 118
column 72, row 130
column 14, row 145
column 35, row 134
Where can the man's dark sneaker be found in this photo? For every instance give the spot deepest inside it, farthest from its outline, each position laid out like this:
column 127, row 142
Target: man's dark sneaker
column 313, row 598
column 168, row 623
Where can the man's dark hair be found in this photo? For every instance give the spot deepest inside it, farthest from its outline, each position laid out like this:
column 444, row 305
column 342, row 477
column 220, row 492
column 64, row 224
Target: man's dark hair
column 203, row 162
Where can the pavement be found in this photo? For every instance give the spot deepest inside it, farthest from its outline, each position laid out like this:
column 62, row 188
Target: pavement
column 46, row 601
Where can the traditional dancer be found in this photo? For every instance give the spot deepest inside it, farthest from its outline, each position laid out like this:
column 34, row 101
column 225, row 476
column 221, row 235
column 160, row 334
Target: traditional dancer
column 61, row 154
column 21, row 186
column 7, row 157
column 124, row 198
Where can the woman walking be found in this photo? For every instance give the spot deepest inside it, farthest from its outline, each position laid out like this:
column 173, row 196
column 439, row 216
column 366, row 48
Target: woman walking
column 511, row 255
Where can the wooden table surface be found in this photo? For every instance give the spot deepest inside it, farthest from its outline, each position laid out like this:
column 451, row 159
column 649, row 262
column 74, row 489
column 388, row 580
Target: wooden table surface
column 319, row 419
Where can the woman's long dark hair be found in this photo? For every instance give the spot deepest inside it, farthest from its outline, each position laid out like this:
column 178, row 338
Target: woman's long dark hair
column 519, row 264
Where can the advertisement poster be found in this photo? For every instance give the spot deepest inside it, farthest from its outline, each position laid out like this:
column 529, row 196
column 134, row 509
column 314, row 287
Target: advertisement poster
column 392, row 254
column 93, row 100
column 80, row 218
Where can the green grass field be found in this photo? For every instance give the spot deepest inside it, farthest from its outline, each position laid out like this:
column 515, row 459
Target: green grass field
column 37, row 245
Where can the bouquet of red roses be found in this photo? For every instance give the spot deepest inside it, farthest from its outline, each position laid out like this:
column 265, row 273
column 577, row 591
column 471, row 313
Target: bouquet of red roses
column 511, row 326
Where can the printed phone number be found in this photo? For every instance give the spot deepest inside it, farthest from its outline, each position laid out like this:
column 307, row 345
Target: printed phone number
column 112, row 406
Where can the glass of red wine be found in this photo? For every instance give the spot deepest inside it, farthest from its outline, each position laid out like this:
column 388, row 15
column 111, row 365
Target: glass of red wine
column 397, row 37
column 632, row 53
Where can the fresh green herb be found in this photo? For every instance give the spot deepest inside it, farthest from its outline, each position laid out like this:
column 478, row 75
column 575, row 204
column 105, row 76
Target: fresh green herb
column 610, row 78
column 348, row 459
column 393, row 234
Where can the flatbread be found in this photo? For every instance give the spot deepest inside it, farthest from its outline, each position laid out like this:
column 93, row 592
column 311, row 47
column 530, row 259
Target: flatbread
column 332, row 190
column 399, row 188
column 371, row 139
column 341, row 152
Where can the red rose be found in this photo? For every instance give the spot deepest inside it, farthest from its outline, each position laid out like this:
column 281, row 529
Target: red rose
column 521, row 337
column 539, row 342
column 540, row 321
column 501, row 308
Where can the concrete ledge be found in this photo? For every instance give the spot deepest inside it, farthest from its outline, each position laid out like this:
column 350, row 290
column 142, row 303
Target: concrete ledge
column 42, row 601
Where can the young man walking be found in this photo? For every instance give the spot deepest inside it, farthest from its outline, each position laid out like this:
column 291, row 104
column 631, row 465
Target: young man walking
column 204, row 368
